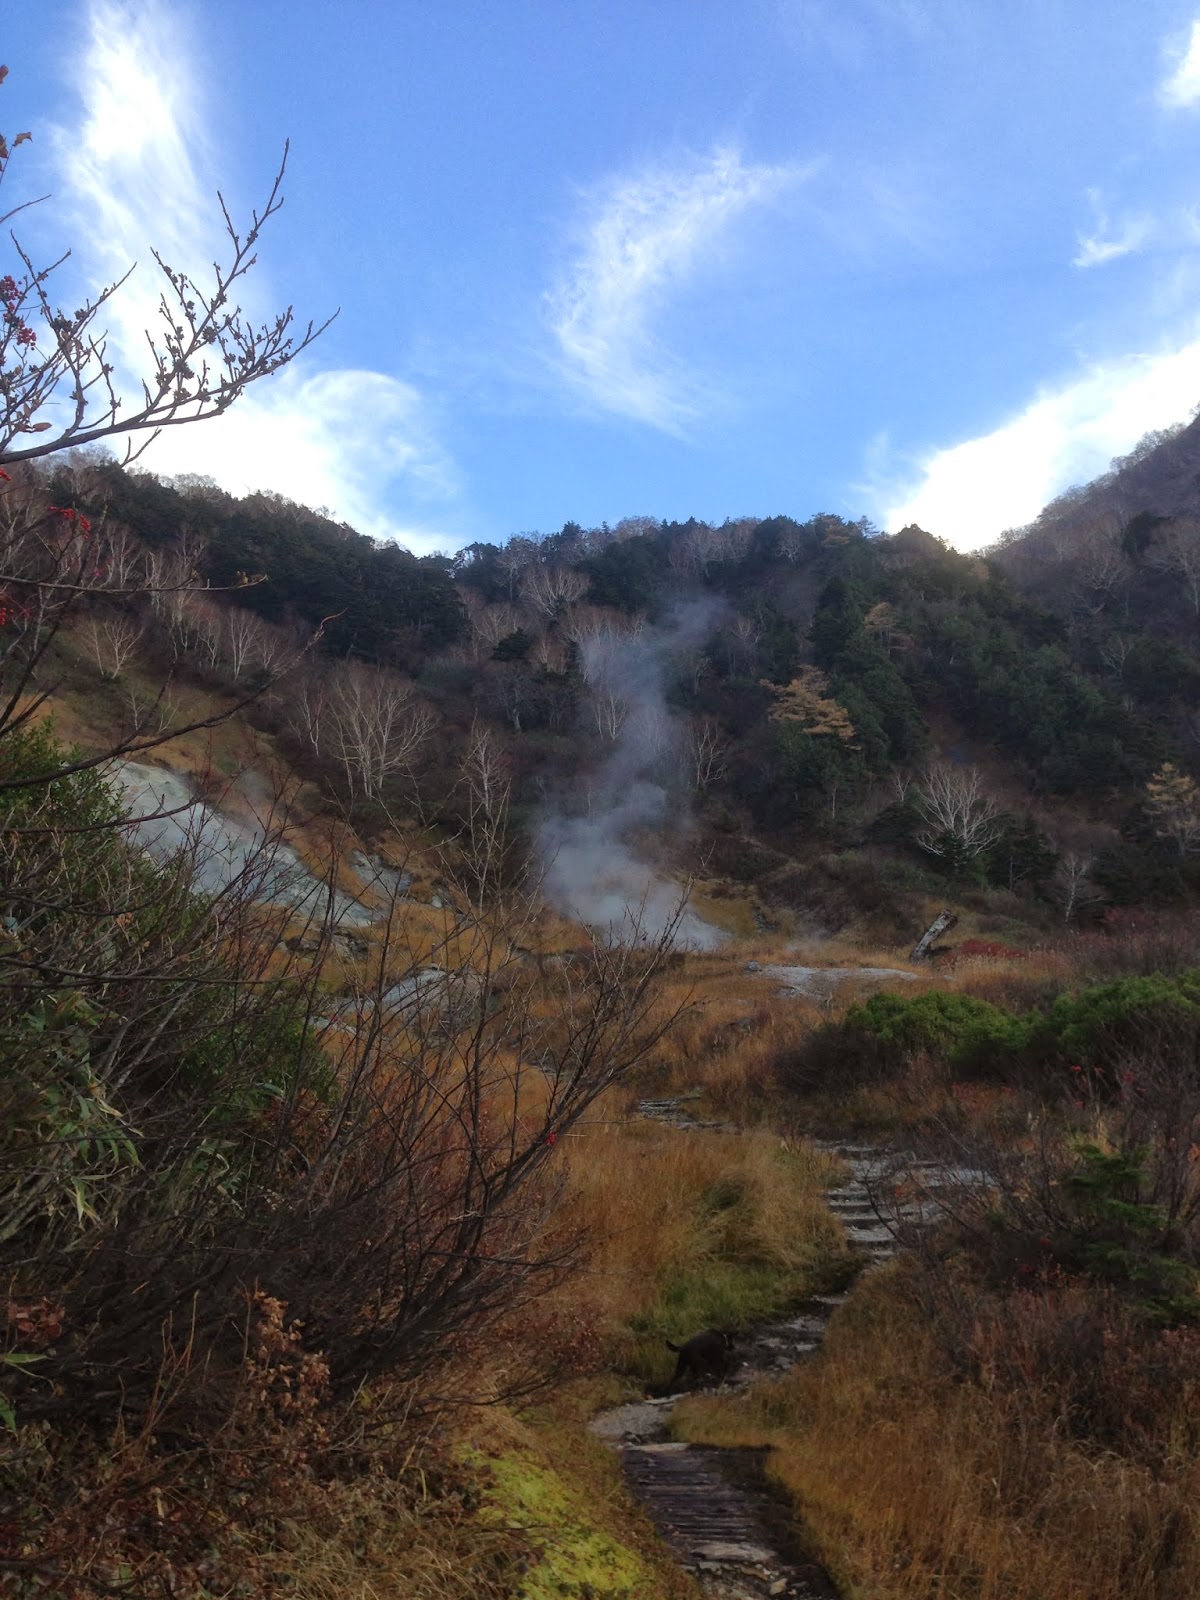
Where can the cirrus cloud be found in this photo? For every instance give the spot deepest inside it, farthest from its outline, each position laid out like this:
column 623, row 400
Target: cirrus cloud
column 643, row 238
column 1106, row 243
column 1181, row 88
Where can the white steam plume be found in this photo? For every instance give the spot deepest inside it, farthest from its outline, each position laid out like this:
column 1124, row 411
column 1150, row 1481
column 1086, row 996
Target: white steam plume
column 596, row 869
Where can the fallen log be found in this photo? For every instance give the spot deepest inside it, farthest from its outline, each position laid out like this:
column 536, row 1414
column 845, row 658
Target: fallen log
column 942, row 923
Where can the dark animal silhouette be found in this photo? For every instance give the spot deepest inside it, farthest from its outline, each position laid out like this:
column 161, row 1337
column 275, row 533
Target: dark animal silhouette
column 707, row 1355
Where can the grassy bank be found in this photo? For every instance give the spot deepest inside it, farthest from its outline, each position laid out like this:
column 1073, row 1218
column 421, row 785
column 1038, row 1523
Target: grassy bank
column 692, row 1230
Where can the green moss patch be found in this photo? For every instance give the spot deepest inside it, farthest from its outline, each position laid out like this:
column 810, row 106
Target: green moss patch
column 576, row 1556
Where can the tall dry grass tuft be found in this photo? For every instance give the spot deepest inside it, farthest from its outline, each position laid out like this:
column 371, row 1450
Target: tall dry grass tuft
column 688, row 1229
column 376, row 1540
column 735, row 1025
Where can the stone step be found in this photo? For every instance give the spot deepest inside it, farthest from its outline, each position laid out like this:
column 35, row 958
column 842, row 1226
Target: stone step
column 878, row 1234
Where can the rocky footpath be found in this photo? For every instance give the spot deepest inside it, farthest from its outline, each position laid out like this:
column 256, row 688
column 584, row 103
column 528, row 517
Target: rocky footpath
column 712, row 1505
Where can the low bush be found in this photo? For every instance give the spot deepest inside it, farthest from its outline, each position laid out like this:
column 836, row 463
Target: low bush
column 880, row 1038
column 226, row 1216
column 735, row 856
column 1102, row 1029
column 1107, row 1024
column 1135, row 943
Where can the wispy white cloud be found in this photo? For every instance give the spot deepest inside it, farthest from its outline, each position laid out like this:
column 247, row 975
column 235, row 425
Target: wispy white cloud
column 969, row 493
column 137, row 175
column 1106, row 243
column 329, row 439
column 643, row 238
column 1181, row 87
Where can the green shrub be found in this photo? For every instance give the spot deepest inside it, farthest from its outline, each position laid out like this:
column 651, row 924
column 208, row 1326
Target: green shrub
column 1083, row 1214
column 1099, row 1029
column 956, row 1026
column 1108, row 1022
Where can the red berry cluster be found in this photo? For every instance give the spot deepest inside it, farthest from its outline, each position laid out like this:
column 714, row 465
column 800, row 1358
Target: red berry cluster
column 69, row 514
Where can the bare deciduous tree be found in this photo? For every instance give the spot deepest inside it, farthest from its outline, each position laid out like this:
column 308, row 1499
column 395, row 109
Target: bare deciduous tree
column 635, row 528
column 519, row 553
column 58, row 392
column 510, row 690
column 206, row 627
column 1114, row 653
column 548, row 590
column 276, row 650
column 490, row 624
column 741, row 637
column 579, row 623
column 961, row 819
column 610, row 711
column 693, row 552
column 374, row 727
column 1099, row 566
column 240, row 640
column 203, row 354
column 709, row 752
column 549, row 653
column 790, row 543
column 121, row 559
column 1177, row 550
column 307, row 706
column 1071, row 885
column 111, row 638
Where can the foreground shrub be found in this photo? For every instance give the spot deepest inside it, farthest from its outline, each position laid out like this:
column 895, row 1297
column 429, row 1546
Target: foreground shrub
column 878, row 1039
column 192, row 1127
column 1107, row 1024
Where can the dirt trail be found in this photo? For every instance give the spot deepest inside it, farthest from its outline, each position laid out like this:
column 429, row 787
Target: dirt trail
column 713, row 1505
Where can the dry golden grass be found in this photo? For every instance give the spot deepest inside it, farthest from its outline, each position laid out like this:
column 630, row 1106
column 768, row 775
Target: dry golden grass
column 916, row 1484
column 378, row 1538
column 912, row 1483
column 737, row 1029
column 734, row 909
column 536, row 1493
column 689, row 1228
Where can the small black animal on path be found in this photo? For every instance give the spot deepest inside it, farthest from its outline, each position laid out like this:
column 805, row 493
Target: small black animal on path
column 707, row 1355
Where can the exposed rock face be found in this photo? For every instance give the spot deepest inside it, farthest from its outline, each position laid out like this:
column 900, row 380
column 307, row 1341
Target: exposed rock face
column 169, row 819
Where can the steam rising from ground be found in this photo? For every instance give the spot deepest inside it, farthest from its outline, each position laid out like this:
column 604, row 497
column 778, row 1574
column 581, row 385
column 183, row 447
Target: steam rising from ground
column 599, row 851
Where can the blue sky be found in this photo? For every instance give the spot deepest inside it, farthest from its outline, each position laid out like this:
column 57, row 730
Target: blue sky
column 929, row 260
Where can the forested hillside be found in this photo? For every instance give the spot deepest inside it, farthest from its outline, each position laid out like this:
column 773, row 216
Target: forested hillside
column 842, row 704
